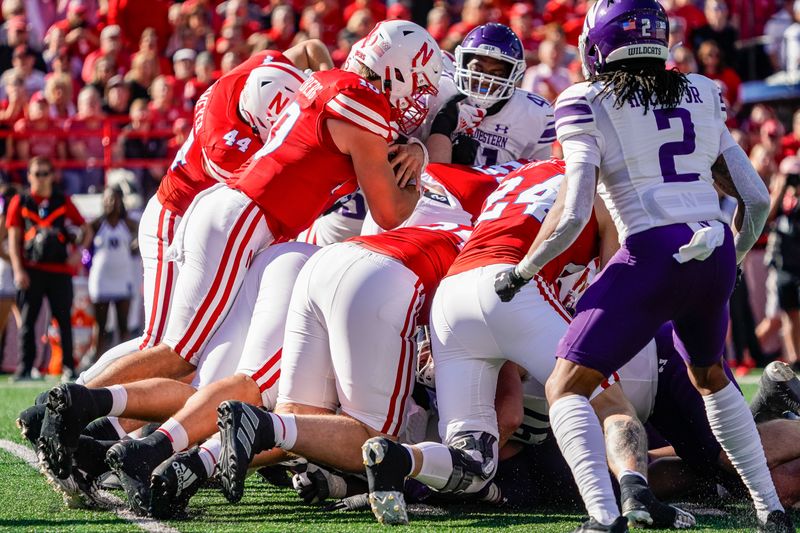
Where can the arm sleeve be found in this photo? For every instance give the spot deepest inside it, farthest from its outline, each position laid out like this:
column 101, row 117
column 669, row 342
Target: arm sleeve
column 754, row 196
column 580, row 183
column 446, row 120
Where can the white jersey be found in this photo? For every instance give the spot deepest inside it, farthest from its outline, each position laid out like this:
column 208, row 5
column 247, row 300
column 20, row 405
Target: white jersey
column 447, row 91
column 111, row 274
column 337, row 226
column 655, row 167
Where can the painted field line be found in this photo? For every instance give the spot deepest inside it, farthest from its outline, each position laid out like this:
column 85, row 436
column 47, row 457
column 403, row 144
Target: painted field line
column 119, row 507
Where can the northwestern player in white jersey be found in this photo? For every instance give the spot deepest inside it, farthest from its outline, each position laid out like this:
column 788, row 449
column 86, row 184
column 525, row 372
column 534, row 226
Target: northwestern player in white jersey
column 491, row 121
column 649, row 136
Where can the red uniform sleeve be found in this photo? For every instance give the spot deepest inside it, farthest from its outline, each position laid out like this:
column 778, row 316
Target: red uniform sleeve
column 363, row 106
column 72, row 213
column 14, row 213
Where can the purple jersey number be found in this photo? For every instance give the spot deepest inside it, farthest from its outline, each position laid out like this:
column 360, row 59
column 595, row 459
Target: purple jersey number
column 668, row 151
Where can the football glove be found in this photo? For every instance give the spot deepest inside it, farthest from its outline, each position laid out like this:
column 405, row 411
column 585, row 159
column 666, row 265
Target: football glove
column 316, row 484
column 469, row 118
column 508, row 283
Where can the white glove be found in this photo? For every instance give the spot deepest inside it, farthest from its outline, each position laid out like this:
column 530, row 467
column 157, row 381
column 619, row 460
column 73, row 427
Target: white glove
column 469, row 118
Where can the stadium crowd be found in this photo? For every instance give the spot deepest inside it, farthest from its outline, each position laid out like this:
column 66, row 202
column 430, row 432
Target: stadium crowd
column 269, row 285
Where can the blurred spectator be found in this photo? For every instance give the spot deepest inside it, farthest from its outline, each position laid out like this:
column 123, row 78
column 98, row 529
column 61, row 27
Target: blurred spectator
column 183, row 66
column 117, row 98
column 17, row 36
column 759, row 114
column 12, row 109
column 344, row 43
column 58, row 93
column 790, row 143
column 677, row 33
column 180, row 133
column 713, row 65
column 691, row 15
column 283, row 27
column 202, row 80
column 521, row 21
column 23, row 66
column 43, row 260
column 37, row 135
column 332, row 20
column 79, row 37
column 231, row 40
column 148, row 45
column 791, row 43
column 438, row 22
column 683, row 60
column 311, row 26
column 784, row 252
column 474, row 13
column 360, row 23
column 549, row 77
column 137, row 141
column 163, row 110
column 774, row 31
column 85, row 145
column 568, row 14
column 377, row 9
column 111, row 273
column 111, row 49
column 396, row 11
column 144, row 69
column 103, row 71
column 135, row 16
column 718, row 29
column 229, row 62
column 8, row 292
column 771, row 135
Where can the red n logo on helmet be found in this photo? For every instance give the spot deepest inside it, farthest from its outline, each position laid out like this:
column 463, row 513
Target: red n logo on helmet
column 424, row 55
column 277, row 104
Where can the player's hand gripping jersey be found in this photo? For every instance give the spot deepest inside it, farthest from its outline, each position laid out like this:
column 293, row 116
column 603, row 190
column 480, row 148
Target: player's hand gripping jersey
column 220, row 141
column 512, row 216
column 305, row 173
column 655, row 166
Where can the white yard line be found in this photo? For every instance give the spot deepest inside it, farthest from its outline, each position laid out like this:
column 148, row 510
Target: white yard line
column 118, row 506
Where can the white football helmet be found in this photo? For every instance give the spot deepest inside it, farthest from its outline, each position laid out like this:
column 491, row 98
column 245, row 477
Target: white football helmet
column 268, row 90
column 409, row 64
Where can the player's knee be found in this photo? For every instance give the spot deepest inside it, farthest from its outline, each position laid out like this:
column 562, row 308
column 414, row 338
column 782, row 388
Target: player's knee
column 508, row 420
column 709, row 379
column 474, row 456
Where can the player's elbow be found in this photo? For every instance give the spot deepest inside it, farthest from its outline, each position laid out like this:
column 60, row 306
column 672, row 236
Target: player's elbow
column 388, row 219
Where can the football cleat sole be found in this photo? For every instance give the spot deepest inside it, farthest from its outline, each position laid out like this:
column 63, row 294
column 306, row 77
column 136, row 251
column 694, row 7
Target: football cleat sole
column 389, row 507
column 138, row 493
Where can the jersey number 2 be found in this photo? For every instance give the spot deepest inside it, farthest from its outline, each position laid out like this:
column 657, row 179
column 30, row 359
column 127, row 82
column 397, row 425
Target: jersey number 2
column 668, row 151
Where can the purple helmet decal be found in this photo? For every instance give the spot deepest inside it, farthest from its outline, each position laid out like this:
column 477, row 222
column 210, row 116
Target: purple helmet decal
column 615, row 30
column 495, row 41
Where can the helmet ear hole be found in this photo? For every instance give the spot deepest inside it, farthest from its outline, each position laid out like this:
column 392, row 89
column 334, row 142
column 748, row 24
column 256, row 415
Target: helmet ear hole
column 399, row 75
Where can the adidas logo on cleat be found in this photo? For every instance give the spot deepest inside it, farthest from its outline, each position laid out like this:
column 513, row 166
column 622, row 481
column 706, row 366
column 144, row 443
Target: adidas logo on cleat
column 185, row 477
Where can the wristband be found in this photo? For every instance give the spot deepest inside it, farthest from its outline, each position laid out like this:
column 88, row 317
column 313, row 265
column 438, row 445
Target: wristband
column 526, row 269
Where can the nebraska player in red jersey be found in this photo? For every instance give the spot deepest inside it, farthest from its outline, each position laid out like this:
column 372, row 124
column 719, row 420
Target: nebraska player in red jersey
column 231, row 121
column 473, row 334
column 349, row 345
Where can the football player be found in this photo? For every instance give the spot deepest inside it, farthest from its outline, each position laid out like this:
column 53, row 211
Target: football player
column 491, row 121
column 678, row 259
column 333, row 137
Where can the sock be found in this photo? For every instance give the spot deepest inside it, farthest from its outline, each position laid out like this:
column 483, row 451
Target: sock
column 176, row 433
column 119, row 399
column 105, row 428
column 437, row 464
column 285, row 430
column 627, row 472
column 735, row 430
column 209, row 453
column 114, row 422
column 580, row 438
column 162, row 444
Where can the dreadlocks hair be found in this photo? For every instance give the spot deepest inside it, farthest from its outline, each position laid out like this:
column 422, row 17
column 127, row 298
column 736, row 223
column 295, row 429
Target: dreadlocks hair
column 642, row 81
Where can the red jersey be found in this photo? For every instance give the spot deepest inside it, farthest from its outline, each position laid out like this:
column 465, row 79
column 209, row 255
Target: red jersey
column 300, row 172
column 220, row 141
column 469, row 185
column 513, row 215
column 427, row 251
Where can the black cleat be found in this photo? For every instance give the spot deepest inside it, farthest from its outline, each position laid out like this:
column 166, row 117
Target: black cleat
column 776, row 522
column 133, row 462
column 642, row 508
column 174, row 482
column 70, row 408
column 29, row 423
column 80, row 489
column 620, row 525
column 387, row 464
column 245, row 430
column 778, row 393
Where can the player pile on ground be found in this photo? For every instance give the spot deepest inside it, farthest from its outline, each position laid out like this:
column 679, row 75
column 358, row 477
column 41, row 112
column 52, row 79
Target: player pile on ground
column 514, row 303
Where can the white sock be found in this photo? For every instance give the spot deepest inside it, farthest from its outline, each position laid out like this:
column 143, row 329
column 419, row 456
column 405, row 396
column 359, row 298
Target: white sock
column 209, row 453
column 117, row 426
column 285, row 430
column 176, row 433
column 437, row 464
column 580, row 438
column 733, row 426
column 627, row 472
column 120, row 399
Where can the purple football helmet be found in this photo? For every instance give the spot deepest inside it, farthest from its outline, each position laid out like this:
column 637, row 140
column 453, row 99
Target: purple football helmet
column 615, row 30
column 498, row 42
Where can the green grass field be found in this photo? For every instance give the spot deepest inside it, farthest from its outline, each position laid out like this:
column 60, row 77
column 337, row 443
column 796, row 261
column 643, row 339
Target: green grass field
column 27, row 503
